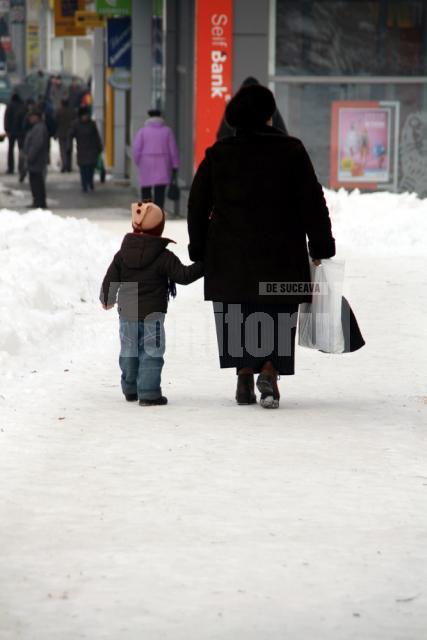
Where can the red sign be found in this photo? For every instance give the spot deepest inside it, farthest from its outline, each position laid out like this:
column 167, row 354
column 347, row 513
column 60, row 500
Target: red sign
column 213, row 69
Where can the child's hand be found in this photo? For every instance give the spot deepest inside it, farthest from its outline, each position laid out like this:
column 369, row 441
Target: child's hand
column 107, row 307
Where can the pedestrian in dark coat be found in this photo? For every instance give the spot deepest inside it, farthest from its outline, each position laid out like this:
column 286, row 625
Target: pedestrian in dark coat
column 36, row 152
column 140, row 278
column 224, row 128
column 64, row 117
column 26, row 126
column 254, row 200
column 48, row 115
column 89, row 146
column 13, row 126
column 74, row 94
column 56, row 92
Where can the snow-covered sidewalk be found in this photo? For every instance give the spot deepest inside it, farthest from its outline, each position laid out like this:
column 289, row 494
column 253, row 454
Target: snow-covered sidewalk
column 203, row 520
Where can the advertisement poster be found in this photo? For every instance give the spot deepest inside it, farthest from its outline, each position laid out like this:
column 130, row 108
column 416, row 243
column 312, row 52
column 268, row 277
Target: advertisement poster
column 33, row 46
column 33, row 35
column 361, row 151
column 213, row 70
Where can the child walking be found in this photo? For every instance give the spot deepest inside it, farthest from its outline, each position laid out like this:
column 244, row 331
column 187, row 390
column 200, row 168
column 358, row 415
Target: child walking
column 140, row 279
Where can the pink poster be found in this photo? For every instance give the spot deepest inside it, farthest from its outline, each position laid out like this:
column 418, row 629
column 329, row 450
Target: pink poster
column 363, row 144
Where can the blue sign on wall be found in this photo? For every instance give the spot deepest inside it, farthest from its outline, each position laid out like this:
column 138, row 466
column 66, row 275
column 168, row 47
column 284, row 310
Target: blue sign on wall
column 119, row 37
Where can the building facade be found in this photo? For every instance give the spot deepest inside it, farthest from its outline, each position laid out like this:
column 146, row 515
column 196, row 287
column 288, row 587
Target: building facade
column 349, row 76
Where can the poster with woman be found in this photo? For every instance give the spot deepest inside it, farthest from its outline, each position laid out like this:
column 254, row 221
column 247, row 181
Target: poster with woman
column 361, row 153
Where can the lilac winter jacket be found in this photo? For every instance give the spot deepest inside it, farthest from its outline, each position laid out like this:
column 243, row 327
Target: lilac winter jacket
column 155, row 153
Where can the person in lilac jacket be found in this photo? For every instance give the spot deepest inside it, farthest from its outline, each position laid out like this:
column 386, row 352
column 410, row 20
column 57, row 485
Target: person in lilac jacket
column 156, row 155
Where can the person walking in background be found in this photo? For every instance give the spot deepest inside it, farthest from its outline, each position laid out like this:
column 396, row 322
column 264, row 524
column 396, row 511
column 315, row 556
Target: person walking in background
column 36, row 152
column 254, row 201
column 64, row 117
column 89, row 146
column 29, row 106
column 226, row 130
column 49, row 119
column 41, row 84
column 13, row 126
column 74, row 94
column 56, row 92
column 155, row 154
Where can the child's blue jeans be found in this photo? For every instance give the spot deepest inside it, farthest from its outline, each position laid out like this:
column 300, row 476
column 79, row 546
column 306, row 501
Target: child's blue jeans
column 141, row 356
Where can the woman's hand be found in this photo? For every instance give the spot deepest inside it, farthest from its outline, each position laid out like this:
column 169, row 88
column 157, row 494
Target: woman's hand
column 107, row 307
column 316, row 262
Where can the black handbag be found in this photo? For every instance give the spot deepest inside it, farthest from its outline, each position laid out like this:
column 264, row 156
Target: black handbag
column 353, row 339
column 173, row 191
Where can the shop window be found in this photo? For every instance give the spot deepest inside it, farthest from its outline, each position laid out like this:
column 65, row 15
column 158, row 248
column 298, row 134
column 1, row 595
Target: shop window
column 351, row 37
column 306, row 109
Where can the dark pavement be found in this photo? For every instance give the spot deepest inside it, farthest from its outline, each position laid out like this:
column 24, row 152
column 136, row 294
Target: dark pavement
column 65, row 197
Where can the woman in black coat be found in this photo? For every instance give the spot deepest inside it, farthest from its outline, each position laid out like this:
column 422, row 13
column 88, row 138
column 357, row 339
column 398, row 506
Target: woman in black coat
column 89, row 146
column 254, row 200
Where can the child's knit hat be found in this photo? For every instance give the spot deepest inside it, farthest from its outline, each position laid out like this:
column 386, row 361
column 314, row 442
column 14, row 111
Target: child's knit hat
column 148, row 218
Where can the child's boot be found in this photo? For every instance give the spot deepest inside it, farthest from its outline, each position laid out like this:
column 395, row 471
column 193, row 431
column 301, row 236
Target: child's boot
column 152, row 403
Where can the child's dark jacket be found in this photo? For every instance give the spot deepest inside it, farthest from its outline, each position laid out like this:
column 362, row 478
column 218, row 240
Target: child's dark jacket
column 140, row 274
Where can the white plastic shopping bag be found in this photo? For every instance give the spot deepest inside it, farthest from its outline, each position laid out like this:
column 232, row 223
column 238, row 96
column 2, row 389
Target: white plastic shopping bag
column 319, row 323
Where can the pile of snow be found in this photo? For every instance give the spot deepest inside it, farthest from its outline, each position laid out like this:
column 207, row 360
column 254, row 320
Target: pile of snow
column 380, row 224
column 51, row 268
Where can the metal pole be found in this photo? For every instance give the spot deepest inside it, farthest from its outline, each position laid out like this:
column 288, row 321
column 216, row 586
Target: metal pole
column 141, row 68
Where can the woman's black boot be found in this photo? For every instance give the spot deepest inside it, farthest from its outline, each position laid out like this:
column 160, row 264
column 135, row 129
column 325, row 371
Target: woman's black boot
column 245, row 392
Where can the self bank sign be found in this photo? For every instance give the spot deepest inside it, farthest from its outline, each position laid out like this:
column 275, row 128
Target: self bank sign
column 213, row 76
column 119, row 33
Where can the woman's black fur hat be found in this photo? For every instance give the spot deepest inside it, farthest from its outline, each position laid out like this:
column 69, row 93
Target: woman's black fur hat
column 250, row 108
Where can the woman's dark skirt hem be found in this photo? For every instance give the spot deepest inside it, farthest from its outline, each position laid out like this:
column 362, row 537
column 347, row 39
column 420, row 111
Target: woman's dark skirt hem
column 251, row 334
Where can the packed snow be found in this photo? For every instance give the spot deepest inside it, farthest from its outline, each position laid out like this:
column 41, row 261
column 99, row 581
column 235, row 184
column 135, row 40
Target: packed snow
column 203, row 520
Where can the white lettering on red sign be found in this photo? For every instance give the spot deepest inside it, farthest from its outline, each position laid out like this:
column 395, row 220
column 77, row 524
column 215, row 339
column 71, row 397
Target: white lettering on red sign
column 218, row 57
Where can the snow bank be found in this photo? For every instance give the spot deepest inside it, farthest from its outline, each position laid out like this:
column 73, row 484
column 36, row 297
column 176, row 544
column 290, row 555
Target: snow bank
column 382, row 224
column 51, row 268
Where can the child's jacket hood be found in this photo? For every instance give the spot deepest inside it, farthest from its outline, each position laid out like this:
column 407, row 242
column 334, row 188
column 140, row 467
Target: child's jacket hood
column 140, row 250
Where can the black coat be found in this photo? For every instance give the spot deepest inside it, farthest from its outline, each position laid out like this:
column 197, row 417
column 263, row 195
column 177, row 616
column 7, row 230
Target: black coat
column 36, row 148
column 254, row 200
column 141, row 273
column 89, row 144
column 64, row 118
column 14, row 118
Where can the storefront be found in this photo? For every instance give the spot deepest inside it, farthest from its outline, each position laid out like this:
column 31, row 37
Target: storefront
column 350, row 80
